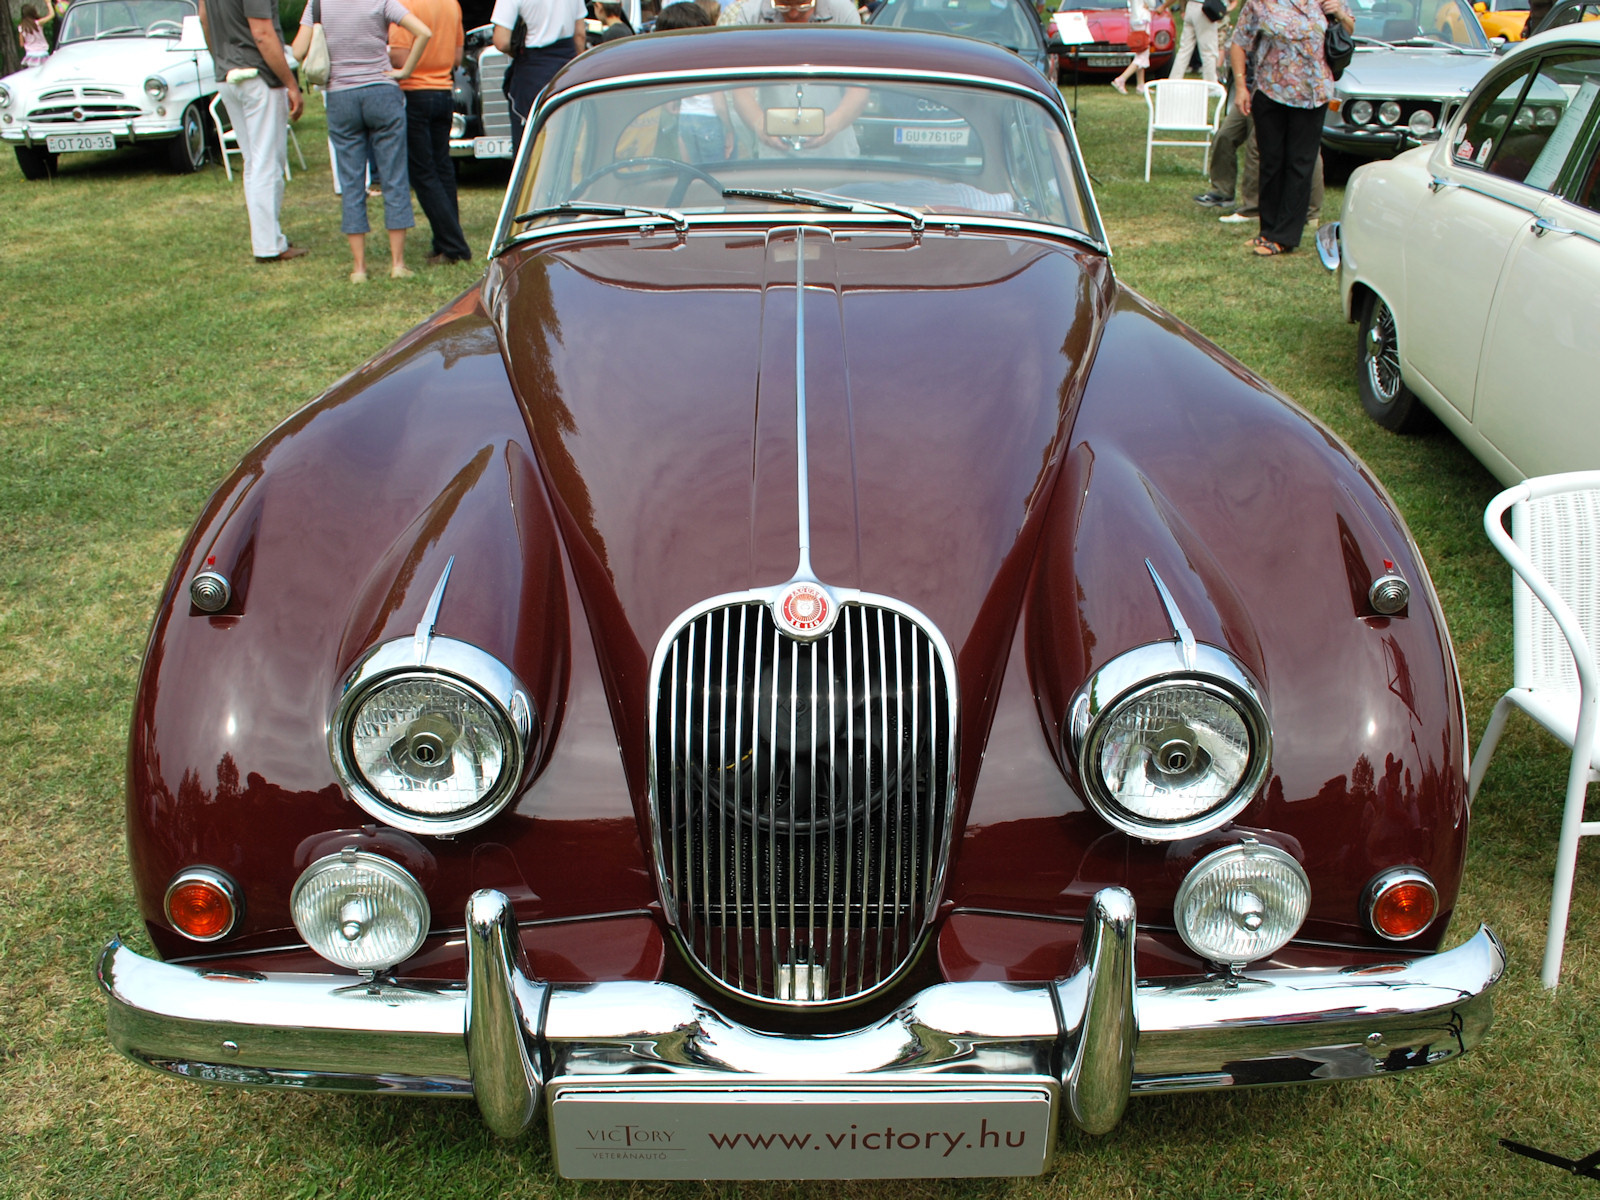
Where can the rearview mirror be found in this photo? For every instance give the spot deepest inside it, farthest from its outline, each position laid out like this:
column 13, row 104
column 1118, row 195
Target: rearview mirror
column 796, row 122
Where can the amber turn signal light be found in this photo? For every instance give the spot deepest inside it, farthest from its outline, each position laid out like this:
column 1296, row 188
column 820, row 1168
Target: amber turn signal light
column 1401, row 904
column 201, row 904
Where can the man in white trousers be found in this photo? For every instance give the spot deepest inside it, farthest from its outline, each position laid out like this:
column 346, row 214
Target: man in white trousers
column 262, row 96
column 1201, row 30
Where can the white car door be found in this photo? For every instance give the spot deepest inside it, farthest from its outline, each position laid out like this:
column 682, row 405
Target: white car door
column 1538, row 397
column 1457, row 243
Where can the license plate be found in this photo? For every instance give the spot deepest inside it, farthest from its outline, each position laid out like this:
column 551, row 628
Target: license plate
column 67, row 143
column 664, row 1133
column 1108, row 60
column 495, row 147
column 921, row 135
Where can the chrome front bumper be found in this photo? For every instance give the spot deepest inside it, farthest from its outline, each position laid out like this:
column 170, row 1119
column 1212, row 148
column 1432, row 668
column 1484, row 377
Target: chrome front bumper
column 1091, row 1039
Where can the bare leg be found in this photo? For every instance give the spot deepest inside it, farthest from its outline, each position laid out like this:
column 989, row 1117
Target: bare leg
column 358, row 252
column 397, row 255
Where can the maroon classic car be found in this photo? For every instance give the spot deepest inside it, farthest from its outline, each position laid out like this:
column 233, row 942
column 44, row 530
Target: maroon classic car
column 799, row 672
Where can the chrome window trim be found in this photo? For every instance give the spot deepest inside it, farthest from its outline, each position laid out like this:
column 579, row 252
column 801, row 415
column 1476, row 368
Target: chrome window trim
column 1385, row 880
column 204, row 875
column 1136, row 673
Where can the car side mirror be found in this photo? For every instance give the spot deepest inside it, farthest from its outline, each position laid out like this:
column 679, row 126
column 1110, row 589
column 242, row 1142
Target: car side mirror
column 193, row 36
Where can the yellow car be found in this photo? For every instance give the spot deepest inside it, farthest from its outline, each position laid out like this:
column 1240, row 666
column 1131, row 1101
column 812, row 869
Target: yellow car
column 1502, row 18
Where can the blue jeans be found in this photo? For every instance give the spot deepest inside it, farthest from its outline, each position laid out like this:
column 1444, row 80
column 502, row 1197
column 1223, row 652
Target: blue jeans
column 704, row 140
column 370, row 122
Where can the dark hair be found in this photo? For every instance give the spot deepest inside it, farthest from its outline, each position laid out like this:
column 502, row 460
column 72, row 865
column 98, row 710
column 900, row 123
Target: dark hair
column 686, row 14
column 30, row 18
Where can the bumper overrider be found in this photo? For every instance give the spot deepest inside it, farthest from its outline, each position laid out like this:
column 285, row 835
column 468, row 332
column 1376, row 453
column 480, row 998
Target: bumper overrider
column 642, row 1079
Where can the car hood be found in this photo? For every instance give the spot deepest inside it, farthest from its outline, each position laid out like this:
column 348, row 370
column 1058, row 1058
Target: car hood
column 1413, row 72
column 127, row 61
column 934, row 411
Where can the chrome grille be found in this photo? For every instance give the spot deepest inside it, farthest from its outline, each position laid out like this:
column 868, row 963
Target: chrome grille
column 802, row 797
column 496, row 109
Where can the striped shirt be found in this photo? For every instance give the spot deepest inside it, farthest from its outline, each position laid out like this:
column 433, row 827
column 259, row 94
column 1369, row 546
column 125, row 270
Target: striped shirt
column 358, row 39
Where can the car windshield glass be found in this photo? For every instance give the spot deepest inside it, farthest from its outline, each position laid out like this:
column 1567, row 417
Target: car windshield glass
column 935, row 149
column 1419, row 23
column 124, row 18
column 1008, row 23
column 1093, row 6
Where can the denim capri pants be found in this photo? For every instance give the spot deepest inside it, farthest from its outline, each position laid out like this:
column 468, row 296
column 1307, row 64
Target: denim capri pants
column 371, row 121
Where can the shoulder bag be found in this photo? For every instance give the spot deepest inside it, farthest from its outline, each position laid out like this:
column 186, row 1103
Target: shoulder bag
column 1214, row 10
column 1337, row 47
column 1138, row 40
column 316, row 67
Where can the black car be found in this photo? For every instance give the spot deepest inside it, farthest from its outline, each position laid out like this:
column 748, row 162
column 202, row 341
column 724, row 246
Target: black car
column 482, row 124
column 1010, row 23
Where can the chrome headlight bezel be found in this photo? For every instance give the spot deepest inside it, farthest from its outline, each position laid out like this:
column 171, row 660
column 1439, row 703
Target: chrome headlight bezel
column 461, row 665
column 1137, row 674
column 1359, row 111
column 5, row 96
column 1389, row 113
column 156, row 88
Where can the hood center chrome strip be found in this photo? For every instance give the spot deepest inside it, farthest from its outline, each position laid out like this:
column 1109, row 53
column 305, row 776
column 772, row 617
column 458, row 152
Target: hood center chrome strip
column 802, row 452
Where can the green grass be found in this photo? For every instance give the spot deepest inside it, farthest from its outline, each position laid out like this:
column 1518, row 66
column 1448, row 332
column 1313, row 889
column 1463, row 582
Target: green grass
column 144, row 352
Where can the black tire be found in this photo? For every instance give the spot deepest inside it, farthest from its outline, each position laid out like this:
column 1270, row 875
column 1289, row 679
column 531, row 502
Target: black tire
column 186, row 153
column 35, row 163
column 1384, row 395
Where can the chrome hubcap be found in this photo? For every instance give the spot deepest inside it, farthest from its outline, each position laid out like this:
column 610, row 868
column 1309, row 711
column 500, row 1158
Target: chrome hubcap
column 1383, row 355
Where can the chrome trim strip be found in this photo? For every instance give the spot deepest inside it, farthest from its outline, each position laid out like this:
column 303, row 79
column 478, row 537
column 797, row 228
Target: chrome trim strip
column 801, row 432
column 320, row 1032
column 423, row 638
column 1180, row 627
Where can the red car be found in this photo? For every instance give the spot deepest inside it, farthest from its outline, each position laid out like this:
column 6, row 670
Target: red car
column 1108, row 54
column 799, row 672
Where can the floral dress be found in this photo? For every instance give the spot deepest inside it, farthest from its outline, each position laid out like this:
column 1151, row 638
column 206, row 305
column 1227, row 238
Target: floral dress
column 1283, row 42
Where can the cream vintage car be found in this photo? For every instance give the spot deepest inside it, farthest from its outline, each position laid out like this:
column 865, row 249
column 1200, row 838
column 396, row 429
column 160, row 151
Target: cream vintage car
column 123, row 72
column 1473, row 266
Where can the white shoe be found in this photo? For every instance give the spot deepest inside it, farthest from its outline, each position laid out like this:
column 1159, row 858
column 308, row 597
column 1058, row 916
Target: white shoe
column 1235, row 218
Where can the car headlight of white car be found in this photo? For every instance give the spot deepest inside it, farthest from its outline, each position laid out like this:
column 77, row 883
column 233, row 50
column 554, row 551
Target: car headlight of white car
column 155, row 87
column 5, row 97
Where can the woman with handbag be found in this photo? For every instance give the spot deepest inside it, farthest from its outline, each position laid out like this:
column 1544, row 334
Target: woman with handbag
column 1200, row 21
column 1139, row 43
column 1279, row 47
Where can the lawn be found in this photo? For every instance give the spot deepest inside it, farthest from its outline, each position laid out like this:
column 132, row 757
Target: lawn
column 144, row 351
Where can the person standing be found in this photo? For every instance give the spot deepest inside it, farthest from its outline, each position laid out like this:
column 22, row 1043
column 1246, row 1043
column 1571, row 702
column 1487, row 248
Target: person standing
column 557, row 33
column 430, row 105
column 1278, row 47
column 790, row 12
column 1139, row 43
column 367, row 116
column 1198, row 30
column 246, row 44
column 35, row 46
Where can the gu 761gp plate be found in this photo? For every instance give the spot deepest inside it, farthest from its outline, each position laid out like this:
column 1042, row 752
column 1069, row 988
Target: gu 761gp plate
column 779, row 1133
column 67, row 143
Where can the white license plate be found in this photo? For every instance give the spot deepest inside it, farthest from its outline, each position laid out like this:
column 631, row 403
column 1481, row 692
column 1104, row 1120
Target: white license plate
column 1108, row 60
column 497, row 147
column 661, row 1133
column 921, row 135
column 67, row 143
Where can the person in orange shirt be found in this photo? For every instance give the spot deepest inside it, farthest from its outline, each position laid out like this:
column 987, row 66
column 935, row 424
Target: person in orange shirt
column 428, row 111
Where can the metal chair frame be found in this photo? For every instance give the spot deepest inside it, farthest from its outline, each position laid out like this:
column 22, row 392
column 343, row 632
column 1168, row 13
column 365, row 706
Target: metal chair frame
column 1183, row 106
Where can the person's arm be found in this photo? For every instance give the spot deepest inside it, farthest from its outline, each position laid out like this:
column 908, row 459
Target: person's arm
column 580, row 34
column 271, row 47
column 1339, row 12
column 423, row 35
column 502, row 39
column 461, row 44
column 842, row 117
column 1241, row 96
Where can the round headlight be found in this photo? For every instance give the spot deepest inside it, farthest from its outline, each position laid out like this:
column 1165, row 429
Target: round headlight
column 1242, row 903
column 1389, row 112
column 1167, row 748
column 5, row 97
column 156, row 87
column 458, row 125
column 431, row 748
column 1162, row 40
column 1421, row 122
column 1548, row 118
column 360, row 910
column 1359, row 112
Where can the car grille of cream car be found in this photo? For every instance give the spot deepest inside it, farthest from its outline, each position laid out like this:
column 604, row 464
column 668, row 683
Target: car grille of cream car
column 802, row 797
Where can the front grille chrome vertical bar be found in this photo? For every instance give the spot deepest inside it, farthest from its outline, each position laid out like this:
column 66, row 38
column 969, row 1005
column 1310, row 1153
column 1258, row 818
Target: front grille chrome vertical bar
column 705, row 784
column 883, row 844
column 790, row 957
column 833, row 818
column 736, row 819
column 772, row 810
column 811, row 853
column 724, row 768
column 900, row 863
column 914, row 861
column 691, row 925
column 676, row 830
column 849, row 623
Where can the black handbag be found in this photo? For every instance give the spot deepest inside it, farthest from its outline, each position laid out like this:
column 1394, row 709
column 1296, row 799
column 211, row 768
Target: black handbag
column 1214, row 10
column 1337, row 47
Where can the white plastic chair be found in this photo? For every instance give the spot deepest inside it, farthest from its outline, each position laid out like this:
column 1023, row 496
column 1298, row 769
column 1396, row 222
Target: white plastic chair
column 229, row 142
column 1554, row 549
column 1183, row 106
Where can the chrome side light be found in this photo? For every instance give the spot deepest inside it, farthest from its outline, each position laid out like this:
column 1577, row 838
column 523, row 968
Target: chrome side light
column 432, row 746
column 1242, row 903
column 202, row 903
column 1167, row 745
column 156, row 87
column 360, row 910
column 1401, row 903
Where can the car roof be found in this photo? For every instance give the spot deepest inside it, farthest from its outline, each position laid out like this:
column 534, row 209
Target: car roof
column 820, row 48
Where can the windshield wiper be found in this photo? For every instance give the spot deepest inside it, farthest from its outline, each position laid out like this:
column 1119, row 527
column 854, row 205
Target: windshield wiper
column 117, row 30
column 827, row 200
column 596, row 209
column 1424, row 40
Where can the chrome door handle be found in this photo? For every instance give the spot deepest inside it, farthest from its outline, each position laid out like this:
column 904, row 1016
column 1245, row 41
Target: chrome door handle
column 1438, row 184
column 1544, row 225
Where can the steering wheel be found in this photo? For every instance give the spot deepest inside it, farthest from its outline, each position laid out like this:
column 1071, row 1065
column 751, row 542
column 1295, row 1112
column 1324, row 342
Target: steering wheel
column 162, row 28
column 687, row 173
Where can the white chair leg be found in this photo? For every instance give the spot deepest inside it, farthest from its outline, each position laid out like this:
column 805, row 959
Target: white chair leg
column 1147, row 150
column 295, row 142
column 1566, row 868
column 1491, row 738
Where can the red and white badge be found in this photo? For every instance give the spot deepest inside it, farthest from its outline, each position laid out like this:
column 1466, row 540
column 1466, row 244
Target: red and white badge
column 804, row 610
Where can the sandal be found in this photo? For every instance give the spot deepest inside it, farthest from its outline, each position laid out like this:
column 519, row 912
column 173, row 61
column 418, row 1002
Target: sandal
column 1269, row 249
column 1258, row 240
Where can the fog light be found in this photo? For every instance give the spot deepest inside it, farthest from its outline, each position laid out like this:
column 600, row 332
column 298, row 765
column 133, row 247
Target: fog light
column 360, row 910
column 1242, row 903
column 1401, row 904
column 201, row 904
column 1389, row 112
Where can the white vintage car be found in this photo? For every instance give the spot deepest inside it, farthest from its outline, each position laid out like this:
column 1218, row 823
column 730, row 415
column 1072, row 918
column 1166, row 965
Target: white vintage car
column 123, row 71
column 1473, row 265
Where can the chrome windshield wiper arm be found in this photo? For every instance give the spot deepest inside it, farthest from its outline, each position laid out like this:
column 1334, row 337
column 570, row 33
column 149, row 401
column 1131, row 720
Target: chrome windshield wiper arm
column 596, row 209
column 827, row 200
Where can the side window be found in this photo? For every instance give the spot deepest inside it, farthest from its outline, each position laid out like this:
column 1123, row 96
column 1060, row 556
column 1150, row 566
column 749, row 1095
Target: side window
column 1477, row 137
column 1553, row 109
column 1574, row 13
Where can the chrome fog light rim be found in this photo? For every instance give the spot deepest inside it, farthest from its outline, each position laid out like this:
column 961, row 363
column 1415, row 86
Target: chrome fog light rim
column 1136, row 675
column 461, row 665
column 324, row 940
column 1275, row 870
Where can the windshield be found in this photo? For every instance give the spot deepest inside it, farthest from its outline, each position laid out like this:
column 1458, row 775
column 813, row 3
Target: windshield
column 1420, row 22
column 928, row 147
column 90, row 19
column 1093, row 6
column 1005, row 23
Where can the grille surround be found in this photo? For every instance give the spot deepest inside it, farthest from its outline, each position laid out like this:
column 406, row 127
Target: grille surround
column 816, row 889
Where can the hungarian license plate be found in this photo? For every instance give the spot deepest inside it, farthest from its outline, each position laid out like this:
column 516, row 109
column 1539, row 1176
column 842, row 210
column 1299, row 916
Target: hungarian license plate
column 1108, row 60
column 922, row 135
column 491, row 147
column 67, row 143
column 773, row 1133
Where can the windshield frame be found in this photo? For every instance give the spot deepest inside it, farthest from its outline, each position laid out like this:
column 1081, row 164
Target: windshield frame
column 505, row 236
column 86, row 8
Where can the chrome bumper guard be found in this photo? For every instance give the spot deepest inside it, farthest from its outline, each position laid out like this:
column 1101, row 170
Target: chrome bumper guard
column 1094, row 1038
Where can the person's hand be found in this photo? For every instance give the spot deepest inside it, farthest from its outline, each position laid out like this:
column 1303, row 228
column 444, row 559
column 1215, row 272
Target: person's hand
column 1241, row 100
column 398, row 73
column 297, row 102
